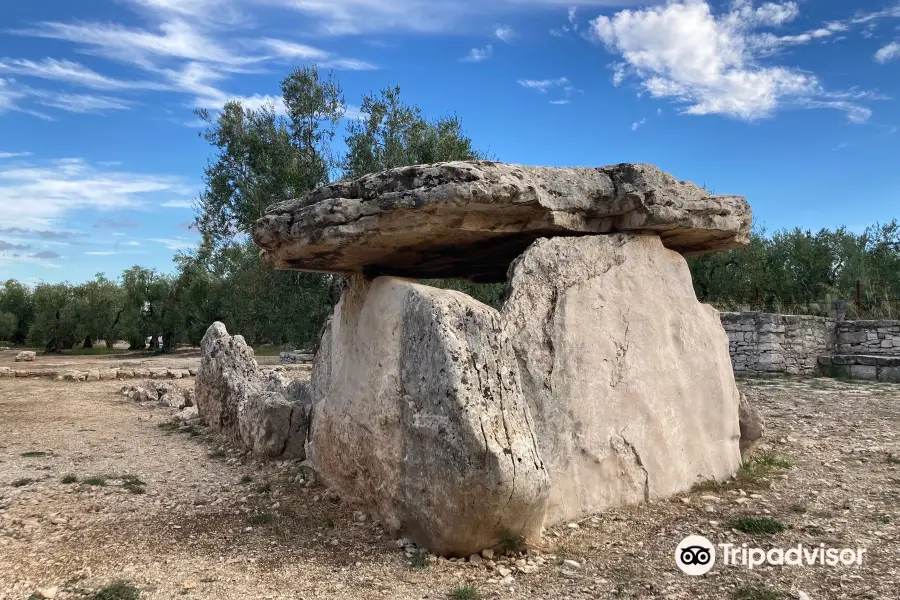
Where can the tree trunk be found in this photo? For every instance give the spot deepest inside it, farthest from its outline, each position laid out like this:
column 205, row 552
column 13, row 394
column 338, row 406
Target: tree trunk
column 154, row 342
column 88, row 342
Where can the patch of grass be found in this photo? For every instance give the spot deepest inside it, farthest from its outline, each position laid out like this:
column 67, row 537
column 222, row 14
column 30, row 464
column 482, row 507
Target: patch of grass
column 511, row 543
column 418, row 560
column 764, row 466
column 754, row 592
column 95, row 480
column 134, row 484
column 261, row 517
column 757, row 525
column 117, row 591
column 619, row 591
column 36, row 454
column 709, row 486
column 168, row 425
column 22, row 482
column 70, row 478
column 218, row 453
column 465, row 592
column 883, row 519
column 246, row 479
column 265, row 488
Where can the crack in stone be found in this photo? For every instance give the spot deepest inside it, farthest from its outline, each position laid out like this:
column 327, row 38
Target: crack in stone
column 640, row 463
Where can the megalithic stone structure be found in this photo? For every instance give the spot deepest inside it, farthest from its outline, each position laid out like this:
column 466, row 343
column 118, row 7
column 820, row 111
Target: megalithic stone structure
column 602, row 381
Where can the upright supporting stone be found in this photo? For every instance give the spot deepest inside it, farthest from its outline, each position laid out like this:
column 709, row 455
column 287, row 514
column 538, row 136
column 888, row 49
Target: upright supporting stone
column 421, row 417
column 627, row 375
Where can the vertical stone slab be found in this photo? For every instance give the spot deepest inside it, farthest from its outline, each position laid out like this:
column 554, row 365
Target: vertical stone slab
column 421, row 417
column 628, row 377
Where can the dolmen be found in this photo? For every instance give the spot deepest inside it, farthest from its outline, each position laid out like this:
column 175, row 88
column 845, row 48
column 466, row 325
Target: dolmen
column 601, row 382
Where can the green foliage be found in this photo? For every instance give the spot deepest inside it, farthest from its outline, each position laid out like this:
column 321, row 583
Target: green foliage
column 36, row 454
column 465, row 592
column 16, row 300
column 117, row 591
column 261, row 517
column 8, row 325
column 799, row 271
column 757, row 525
column 764, row 465
column 96, row 480
column 70, row 478
column 754, row 592
column 22, row 482
column 134, row 484
column 418, row 559
column 393, row 134
column 511, row 543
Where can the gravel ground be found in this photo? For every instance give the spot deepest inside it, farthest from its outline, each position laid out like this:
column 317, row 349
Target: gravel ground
column 182, row 516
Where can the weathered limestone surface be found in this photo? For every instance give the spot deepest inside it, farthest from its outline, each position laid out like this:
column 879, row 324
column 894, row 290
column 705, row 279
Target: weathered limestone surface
column 472, row 219
column 258, row 409
column 627, row 375
column 752, row 426
column 25, row 356
column 422, row 419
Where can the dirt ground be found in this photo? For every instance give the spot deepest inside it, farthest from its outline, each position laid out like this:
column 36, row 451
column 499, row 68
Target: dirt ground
column 214, row 524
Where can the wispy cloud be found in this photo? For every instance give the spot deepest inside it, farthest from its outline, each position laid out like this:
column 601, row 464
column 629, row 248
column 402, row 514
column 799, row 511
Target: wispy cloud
column 100, row 253
column 709, row 64
column 504, row 33
column 177, row 204
column 888, row 53
column 637, row 124
column 542, row 85
column 561, row 102
column 125, row 223
column 479, row 54
column 177, row 243
column 36, row 196
column 13, row 154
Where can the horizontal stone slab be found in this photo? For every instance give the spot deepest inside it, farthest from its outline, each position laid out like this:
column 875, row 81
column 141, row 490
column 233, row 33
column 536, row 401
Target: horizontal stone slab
column 860, row 359
column 470, row 220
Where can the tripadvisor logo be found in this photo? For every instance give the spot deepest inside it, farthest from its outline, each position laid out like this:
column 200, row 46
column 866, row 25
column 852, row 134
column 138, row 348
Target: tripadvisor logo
column 696, row 555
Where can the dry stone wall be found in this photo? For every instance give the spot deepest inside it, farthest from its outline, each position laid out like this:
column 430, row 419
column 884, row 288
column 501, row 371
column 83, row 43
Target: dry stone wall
column 767, row 344
column 872, row 338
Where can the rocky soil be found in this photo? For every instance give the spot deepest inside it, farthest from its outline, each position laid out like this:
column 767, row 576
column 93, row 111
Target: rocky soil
column 180, row 515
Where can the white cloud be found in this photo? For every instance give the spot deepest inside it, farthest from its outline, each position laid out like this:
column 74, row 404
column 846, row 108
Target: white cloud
column 479, row 54
column 173, row 40
column 42, row 195
column 132, row 243
column 14, row 154
column 99, row 253
column 888, row 53
column 561, row 102
column 177, row 243
column 177, row 204
column 542, row 85
column 73, row 72
column 504, row 33
column 635, row 126
column 709, row 64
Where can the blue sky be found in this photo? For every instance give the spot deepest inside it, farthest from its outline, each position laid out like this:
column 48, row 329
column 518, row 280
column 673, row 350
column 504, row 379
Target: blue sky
column 792, row 104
